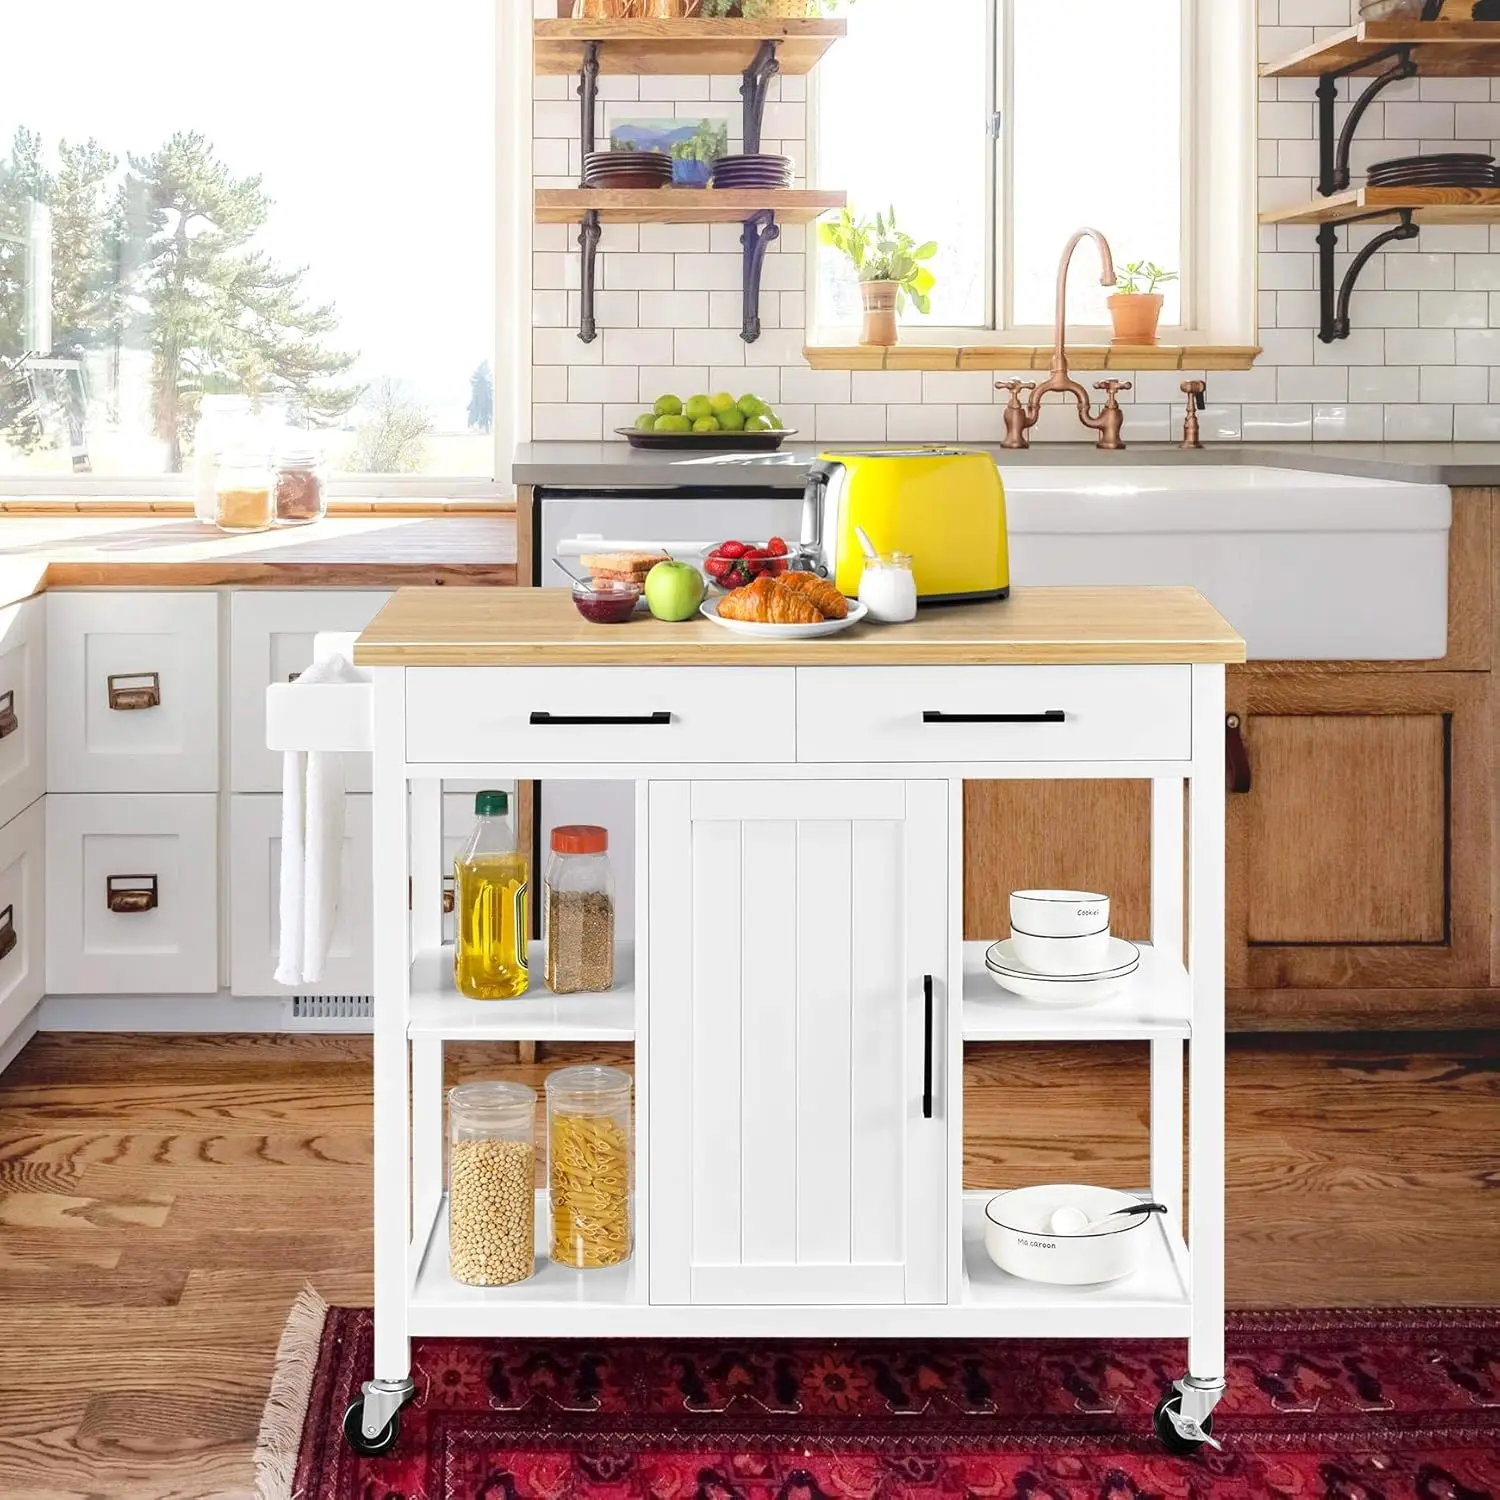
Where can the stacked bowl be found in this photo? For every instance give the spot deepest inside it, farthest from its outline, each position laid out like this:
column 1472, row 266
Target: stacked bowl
column 627, row 169
column 755, row 172
column 1060, row 950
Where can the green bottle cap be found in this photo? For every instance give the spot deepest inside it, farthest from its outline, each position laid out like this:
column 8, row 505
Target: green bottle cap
column 491, row 804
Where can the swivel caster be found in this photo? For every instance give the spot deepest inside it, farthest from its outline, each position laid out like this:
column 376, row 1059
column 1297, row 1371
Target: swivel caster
column 377, row 1446
column 1165, row 1419
column 372, row 1425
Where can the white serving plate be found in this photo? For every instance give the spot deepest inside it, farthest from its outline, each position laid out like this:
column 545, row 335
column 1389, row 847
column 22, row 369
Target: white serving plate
column 1056, row 989
column 709, row 609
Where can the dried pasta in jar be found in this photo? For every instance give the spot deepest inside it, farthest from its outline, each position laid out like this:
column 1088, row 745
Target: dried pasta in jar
column 588, row 1166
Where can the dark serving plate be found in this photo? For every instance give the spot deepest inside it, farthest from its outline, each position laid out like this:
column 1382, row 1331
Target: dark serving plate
column 748, row 442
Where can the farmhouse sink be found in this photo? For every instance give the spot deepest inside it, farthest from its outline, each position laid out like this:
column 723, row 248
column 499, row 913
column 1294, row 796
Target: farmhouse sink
column 1306, row 566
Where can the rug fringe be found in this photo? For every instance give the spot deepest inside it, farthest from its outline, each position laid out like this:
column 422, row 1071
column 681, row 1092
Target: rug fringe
column 280, row 1437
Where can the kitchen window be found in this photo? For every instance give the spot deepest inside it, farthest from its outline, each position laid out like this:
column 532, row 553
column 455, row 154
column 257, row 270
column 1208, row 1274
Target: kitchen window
column 294, row 213
column 1003, row 125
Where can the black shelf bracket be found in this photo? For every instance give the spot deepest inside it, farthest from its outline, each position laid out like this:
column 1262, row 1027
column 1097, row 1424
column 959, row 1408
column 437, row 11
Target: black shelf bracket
column 588, row 95
column 1333, row 305
column 1333, row 154
column 588, row 243
column 760, row 229
column 757, row 80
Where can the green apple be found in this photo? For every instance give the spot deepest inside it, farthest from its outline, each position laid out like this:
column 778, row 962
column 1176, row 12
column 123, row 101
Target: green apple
column 674, row 590
column 646, row 422
column 668, row 406
column 706, row 424
column 721, row 401
column 698, row 406
column 732, row 419
column 752, row 406
column 673, row 424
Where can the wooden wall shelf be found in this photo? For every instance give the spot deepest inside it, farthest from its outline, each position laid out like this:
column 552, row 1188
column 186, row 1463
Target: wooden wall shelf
column 671, row 205
column 689, row 46
column 1031, row 357
column 1434, row 205
column 1441, row 49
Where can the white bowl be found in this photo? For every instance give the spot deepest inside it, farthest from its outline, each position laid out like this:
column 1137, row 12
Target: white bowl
column 1059, row 913
column 1067, row 956
column 1018, row 1235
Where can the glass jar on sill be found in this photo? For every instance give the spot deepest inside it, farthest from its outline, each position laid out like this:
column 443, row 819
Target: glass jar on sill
column 301, row 486
column 244, row 491
column 580, row 911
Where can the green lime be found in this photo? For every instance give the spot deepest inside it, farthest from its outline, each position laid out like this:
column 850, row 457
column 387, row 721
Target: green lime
column 772, row 420
column 706, row 424
column 757, row 424
column 752, row 406
column 668, row 406
column 646, row 422
column 673, row 423
column 698, row 406
column 721, row 401
column 731, row 419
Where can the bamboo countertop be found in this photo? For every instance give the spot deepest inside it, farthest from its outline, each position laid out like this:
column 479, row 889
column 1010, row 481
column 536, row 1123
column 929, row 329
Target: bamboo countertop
column 69, row 550
column 540, row 627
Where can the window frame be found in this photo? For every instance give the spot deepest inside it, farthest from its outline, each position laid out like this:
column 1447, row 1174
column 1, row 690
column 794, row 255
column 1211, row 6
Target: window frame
column 1218, row 163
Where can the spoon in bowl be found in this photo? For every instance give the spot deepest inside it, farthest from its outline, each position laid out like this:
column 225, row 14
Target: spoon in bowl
column 1069, row 1220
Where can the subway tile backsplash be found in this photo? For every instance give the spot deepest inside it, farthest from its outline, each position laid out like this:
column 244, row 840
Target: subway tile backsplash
column 1422, row 362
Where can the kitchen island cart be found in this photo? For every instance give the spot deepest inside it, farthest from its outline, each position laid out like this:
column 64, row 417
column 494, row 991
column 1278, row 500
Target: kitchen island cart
column 798, row 1114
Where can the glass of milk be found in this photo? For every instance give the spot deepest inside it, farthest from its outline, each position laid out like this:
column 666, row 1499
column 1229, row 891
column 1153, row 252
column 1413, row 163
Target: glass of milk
column 888, row 589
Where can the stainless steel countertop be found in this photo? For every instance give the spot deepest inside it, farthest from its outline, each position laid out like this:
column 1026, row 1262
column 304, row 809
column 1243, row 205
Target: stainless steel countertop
column 610, row 465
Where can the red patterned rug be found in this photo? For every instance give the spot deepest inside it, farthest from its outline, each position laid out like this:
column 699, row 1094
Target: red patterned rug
column 1321, row 1406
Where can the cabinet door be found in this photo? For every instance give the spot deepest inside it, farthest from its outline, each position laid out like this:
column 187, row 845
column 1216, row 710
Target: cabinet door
column 796, row 929
column 23, row 706
column 1360, row 856
column 22, row 845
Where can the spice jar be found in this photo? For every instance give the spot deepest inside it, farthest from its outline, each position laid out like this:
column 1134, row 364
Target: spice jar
column 244, row 491
column 580, row 911
column 301, row 488
column 588, row 1166
column 491, row 1183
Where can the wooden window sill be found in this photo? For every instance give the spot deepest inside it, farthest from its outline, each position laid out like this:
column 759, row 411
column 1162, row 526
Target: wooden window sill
column 1030, row 357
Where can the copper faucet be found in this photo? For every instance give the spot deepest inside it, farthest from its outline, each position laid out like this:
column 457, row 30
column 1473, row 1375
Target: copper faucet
column 1019, row 418
column 1193, row 390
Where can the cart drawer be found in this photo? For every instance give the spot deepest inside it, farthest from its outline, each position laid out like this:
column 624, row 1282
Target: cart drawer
column 1041, row 713
column 599, row 716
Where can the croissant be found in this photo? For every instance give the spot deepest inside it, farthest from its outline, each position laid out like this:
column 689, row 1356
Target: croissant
column 765, row 602
column 825, row 597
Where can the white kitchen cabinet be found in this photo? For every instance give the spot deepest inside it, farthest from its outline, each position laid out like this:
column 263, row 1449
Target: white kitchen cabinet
column 254, row 913
column 271, row 640
column 132, row 692
column 23, row 842
column 798, row 1119
column 132, row 895
column 23, row 705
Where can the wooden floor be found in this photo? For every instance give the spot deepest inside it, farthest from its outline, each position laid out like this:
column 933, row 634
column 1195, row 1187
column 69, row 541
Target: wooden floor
column 162, row 1200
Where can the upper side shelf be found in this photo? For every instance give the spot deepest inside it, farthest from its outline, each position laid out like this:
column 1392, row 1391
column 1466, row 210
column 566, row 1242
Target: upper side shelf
column 1441, row 49
column 684, row 46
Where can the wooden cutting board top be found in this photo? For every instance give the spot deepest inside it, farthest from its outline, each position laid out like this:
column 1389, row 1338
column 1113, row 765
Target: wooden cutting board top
column 425, row 627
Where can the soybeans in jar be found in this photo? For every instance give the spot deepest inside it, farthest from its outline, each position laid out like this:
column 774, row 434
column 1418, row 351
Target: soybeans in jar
column 491, row 1183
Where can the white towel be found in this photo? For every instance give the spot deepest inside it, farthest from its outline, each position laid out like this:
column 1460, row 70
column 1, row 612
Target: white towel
column 312, row 845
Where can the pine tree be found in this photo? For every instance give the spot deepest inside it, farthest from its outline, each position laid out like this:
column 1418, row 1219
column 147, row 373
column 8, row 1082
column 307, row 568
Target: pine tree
column 87, row 299
column 217, row 314
column 24, row 183
column 482, row 399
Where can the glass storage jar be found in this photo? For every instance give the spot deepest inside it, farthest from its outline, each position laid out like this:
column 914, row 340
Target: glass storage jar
column 580, row 911
column 888, row 588
column 244, row 491
column 491, row 1183
column 588, row 1166
column 301, row 486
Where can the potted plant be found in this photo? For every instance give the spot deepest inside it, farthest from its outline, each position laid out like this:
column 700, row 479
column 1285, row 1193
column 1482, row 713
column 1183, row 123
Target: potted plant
column 1134, row 310
column 889, row 265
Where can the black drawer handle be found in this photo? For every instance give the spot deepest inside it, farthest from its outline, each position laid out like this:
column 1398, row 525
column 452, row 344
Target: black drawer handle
column 1051, row 716
column 661, row 716
column 927, row 1048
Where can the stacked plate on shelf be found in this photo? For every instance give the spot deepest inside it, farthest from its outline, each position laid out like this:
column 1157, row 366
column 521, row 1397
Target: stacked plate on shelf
column 758, row 171
column 1441, row 169
column 627, row 169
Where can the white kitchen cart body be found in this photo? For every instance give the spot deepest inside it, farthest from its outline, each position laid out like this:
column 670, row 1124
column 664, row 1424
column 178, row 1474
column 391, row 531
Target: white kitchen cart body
column 798, row 990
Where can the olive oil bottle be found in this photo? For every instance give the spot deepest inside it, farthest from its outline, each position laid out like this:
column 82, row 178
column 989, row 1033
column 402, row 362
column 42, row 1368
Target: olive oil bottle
column 489, row 957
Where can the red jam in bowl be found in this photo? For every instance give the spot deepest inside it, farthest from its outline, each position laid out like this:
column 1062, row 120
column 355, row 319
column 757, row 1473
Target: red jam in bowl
column 606, row 602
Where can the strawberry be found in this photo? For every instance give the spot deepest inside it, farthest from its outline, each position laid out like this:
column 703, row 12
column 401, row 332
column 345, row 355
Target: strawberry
column 777, row 547
column 718, row 567
column 731, row 549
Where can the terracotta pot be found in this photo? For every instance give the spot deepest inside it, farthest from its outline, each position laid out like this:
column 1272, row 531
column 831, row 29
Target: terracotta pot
column 1135, row 316
column 880, row 312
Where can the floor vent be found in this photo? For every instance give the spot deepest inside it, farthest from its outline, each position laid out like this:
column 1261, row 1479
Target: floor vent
column 332, row 1007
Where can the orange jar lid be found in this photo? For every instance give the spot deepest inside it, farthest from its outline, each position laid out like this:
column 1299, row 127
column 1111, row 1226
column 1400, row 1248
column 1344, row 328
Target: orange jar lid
column 580, row 838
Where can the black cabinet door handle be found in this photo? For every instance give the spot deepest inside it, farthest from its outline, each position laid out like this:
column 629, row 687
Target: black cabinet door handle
column 927, row 1047
column 660, row 717
column 1051, row 716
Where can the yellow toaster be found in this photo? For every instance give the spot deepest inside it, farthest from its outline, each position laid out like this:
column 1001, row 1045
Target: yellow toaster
column 944, row 506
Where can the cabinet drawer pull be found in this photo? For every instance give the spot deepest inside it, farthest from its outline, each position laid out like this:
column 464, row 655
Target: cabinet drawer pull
column 131, row 893
column 538, row 717
column 9, row 723
column 1051, row 716
column 146, row 693
column 1236, row 756
column 927, row 1047
column 7, row 930
column 450, row 895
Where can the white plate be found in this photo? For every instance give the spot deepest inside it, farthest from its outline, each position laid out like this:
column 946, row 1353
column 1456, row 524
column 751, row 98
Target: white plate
column 1052, row 989
column 709, row 609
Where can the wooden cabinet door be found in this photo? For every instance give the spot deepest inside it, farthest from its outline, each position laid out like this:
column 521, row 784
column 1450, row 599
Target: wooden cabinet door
column 796, row 930
column 1359, row 859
